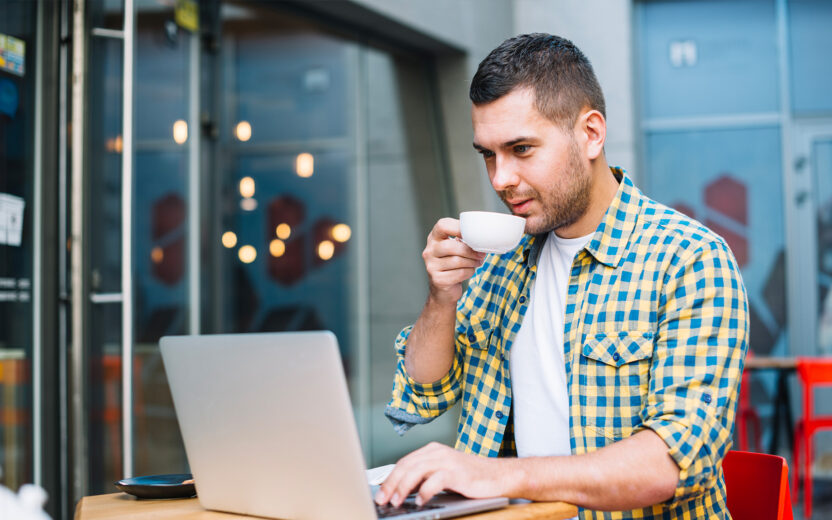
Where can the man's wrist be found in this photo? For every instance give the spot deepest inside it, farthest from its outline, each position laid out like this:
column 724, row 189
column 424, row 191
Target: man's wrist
column 515, row 477
column 437, row 301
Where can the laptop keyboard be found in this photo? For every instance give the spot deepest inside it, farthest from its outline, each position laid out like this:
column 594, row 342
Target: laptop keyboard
column 388, row 510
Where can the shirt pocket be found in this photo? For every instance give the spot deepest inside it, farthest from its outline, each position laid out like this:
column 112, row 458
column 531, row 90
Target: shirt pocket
column 614, row 377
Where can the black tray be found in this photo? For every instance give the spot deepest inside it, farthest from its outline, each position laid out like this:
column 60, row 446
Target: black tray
column 158, row 486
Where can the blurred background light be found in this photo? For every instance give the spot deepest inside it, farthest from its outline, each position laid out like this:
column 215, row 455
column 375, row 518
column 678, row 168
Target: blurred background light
column 247, row 187
column 248, row 204
column 114, row 144
column 180, row 131
column 283, row 231
column 305, row 165
column 341, row 232
column 243, row 131
column 157, row 255
column 229, row 239
column 326, row 249
column 277, row 247
column 247, row 254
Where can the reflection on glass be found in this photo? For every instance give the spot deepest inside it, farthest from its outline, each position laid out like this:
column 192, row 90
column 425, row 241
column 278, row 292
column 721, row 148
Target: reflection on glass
column 822, row 166
column 283, row 231
column 277, row 247
column 180, row 132
column 17, row 188
column 247, row 254
column 229, row 239
column 341, row 232
column 326, row 249
column 305, row 165
column 243, row 131
column 248, row 204
column 114, row 144
column 247, row 187
column 104, row 436
column 160, row 223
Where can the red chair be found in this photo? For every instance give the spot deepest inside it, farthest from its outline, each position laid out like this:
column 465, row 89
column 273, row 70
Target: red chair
column 757, row 485
column 813, row 373
column 746, row 414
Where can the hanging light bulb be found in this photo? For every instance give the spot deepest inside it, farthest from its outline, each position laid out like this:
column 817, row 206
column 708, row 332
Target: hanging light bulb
column 341, row 232
column 305, row 165
column 229, row 239
column 326, row 249
column 283, row 231
column 243, row 131
column 277, row 247
column 247, row 254
column 180, row 131
column 247, row 187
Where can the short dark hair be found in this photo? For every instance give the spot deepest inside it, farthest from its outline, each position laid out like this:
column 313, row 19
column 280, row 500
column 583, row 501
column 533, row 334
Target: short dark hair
column 553, row 67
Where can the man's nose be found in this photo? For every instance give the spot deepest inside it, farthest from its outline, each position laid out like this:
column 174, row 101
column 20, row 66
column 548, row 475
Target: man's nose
column 505, row 175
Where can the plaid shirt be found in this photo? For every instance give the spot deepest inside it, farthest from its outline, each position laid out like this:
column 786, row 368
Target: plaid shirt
column 655, row 335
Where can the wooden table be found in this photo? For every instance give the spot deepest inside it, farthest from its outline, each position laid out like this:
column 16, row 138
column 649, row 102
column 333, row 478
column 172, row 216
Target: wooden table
column 782, row 400
column 120, row 506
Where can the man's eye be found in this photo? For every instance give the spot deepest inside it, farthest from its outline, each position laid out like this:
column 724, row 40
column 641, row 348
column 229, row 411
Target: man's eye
column 486, row 154
column 521, row 148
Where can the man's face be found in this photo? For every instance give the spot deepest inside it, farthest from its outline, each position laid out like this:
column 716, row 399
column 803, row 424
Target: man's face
column 535, row 167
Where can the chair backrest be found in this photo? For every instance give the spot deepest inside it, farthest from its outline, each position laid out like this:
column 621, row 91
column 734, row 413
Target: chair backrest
column 757, row 485
column 815, row 371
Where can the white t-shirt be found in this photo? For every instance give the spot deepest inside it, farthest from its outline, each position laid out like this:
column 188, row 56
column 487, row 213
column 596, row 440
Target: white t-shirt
column 538, row 370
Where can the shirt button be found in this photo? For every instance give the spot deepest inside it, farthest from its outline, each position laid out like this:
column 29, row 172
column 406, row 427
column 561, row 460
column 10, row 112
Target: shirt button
column 472, row 337
column 522, row 299
column 499, row 414
column 616, row 357
column 706, row 398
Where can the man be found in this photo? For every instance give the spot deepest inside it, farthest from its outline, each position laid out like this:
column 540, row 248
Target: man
column 605, row 350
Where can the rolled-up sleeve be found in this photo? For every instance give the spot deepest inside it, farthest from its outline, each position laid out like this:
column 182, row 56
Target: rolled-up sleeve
column 697, row 365
column 419, row 403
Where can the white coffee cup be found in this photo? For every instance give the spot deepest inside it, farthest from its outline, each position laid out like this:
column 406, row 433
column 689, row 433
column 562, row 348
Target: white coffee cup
column 489, row 232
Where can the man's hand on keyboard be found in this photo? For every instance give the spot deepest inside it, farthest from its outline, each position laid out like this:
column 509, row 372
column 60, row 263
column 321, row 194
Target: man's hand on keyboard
column 437, row 467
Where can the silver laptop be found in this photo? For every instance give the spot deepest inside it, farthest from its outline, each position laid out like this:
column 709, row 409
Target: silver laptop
column 269, row 429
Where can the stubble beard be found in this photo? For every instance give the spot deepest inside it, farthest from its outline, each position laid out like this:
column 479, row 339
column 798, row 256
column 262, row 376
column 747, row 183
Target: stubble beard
column 563, row 203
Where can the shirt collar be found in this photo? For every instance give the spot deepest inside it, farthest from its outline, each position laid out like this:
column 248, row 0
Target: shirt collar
column 608, row 244
column 609, row 241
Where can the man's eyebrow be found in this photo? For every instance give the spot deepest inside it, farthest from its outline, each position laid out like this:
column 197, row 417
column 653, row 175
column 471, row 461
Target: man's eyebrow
column 507, row 144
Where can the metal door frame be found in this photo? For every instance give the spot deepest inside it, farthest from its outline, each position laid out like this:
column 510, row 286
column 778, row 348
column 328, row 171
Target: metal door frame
column 801, row 204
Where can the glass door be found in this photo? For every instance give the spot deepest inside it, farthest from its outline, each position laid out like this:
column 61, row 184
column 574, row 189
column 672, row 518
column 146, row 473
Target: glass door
column 812, row 187
column 17, row 241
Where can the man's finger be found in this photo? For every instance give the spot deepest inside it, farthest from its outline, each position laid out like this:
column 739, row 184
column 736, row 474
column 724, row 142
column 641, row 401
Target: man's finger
column 410, row 482
column 450, row 263
column 451, row 247
column 444, row 228
column 430, row 487
column 450, row 278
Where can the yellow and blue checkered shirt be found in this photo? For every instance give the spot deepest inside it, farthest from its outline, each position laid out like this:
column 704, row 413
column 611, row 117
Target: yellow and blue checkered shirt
column 656, row 331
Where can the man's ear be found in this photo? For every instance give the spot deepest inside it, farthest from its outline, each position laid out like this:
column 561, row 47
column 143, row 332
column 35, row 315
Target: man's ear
column 593, row 129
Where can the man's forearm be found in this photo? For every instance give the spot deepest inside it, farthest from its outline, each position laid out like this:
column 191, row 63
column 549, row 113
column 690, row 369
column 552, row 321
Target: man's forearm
column 633, row 473
column 431, row 345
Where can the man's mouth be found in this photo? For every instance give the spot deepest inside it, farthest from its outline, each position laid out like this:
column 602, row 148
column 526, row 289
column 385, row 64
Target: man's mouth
column 519, row 206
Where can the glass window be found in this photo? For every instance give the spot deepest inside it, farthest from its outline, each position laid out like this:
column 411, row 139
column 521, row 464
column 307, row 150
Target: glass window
column 17, row 120
column 161, row 227
column 811, row 68
column 104, row 355
column 822, row 168
column 734, row 189
column 708, row 58
column 320, row 179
